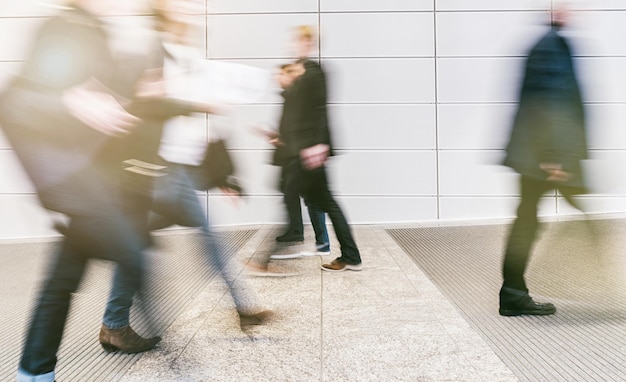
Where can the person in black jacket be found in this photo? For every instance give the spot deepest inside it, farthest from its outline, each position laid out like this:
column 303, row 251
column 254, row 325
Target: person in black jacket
column 546, row 147
column 310, row 142
column 289, row 180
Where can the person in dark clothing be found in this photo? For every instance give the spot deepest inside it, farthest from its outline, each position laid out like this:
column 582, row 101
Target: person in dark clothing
column 289, row 180
column 310, row 142
column 546, row 147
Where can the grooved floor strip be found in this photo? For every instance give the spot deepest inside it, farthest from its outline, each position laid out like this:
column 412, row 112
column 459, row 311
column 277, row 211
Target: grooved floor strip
column 580, row 266
column 176, row 274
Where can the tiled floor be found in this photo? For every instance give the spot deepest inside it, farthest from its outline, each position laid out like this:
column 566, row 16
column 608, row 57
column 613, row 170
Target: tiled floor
column 396, row 320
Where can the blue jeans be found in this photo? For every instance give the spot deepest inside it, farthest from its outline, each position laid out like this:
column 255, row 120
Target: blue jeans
column 318, row 220
column 176, row 202
column 111, row 236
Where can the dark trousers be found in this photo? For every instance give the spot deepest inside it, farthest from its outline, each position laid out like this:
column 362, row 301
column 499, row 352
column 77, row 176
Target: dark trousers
column 523, row 234
column 314, row 188
column 290, row 187
column 110, row 236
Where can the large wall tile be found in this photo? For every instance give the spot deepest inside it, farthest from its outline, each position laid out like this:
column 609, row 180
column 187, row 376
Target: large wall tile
column 23, row 217
column 599, row 33
column 254, row 209
column 475, row 173
column 605, row 123
column 377, row 35
column 28, row 8
column 383, row 126
column 464, row 5
column 377, row 210
column 384, row 173
column 265, row 6
column 488, row 33
column 15, row 49
column 472, row 208
column 475, row 126
column 408, row 80
column 10, row 168
column 376, row 5
column 254, row 36
column 478, row 79
column 598, row 5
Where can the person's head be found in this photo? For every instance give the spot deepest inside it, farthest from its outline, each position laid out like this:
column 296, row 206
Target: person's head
column 176, row 17
column 560, row 14
column 288, row 73
column 304, row 41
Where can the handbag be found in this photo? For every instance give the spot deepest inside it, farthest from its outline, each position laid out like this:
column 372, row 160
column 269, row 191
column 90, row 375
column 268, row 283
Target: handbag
column 216, row 170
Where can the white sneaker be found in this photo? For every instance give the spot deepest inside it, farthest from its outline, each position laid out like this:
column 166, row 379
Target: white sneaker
column 297, row 255
column 287, row 256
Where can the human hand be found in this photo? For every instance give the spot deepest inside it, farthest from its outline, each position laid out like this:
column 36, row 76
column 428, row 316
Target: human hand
column 555, row 172
column 99, row 110
column 314, row 156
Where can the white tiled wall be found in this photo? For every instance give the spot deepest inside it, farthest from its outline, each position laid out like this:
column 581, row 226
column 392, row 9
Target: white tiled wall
column 421, row 92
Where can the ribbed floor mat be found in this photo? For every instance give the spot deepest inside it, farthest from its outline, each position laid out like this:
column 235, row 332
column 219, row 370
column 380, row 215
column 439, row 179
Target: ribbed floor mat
column 579, row 266
column 176, row 274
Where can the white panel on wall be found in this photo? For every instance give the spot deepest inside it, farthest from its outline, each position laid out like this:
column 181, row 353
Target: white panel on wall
column 271, row 65
column 604, row 172
column 265, row 6
column 606, row 126
column 23, row 217
column 14, row 49
column 254, row 36
column 479, row 79
column 377, row 35
column 384, row 173
column 376, row 5
column 594, row 204
column 241, row 127
column 255, row 171
column 28, row 8
column 464, row 5
column 475, row 173
column 406, row 80
column 468, row 208
column 224, row 211
column 477, row 126
column 4, row 143
column 488, row 33
column 11, row 169
column 597, row 5
column 7, row 71
column 383, row 126
column 603, row 79
column 382, row 209
column 599, row 33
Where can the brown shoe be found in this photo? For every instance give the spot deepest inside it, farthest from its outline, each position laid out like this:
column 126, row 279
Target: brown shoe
column 126, row 340
column 246, row 320
column 340, row 266
column 259, row 270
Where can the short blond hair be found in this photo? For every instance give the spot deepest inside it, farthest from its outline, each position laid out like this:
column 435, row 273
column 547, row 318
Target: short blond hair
column 305, row 32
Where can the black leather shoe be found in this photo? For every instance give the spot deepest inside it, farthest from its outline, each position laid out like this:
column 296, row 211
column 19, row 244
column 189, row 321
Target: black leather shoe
column 529, row 307
column 289, row 236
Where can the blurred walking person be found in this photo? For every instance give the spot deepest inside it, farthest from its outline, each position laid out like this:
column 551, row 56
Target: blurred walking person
column 66, row 124
column 183, row 148
column 547, row 144
column 310, row 143
column 289, row 179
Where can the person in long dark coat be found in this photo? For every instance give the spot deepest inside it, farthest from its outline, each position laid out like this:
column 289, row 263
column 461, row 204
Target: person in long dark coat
column 547, row 144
